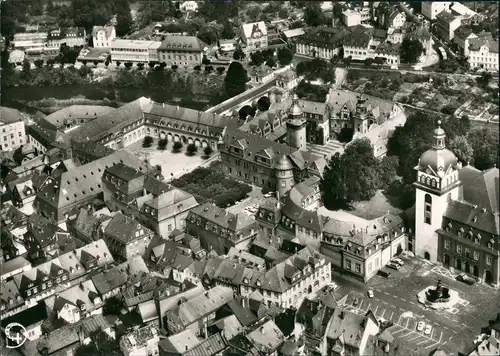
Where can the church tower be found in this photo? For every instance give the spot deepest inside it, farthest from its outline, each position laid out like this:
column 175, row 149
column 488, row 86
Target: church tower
column 296, row 126
column 284, row 176
column 437, row 183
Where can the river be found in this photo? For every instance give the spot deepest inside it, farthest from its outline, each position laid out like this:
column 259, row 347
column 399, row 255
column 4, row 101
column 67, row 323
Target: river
column 18, row 97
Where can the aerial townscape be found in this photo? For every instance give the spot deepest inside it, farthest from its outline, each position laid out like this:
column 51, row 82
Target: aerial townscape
column 229, row 177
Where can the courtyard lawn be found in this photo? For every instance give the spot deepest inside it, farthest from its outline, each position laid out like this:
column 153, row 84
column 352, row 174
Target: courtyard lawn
column 374, row 208
column 367, row 210
column 172, row 164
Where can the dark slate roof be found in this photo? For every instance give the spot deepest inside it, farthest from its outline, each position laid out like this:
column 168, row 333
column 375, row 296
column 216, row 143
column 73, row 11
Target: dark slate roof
column 123, row 228
column 182, row 43
column 219, row 216
column 481, row 188
column 473, row 216
column 327, row 36
column 28, row 317
column 124, row 172
column 445, row 16
column 107, row 281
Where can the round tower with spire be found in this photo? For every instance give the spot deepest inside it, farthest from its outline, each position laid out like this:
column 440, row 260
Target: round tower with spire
column 284, row 176
column 296, row 126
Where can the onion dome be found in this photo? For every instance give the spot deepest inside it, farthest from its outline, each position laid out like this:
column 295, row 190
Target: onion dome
column 295, row 109
column 438, row 158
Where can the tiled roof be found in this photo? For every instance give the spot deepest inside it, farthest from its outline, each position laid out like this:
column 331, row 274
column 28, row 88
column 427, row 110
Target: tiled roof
column 445, row 16
column 473, row 216
column 9, row 115
column 202, row 305
column 348, row 326
column 14, row 264
column 249, row 28
column 123, row 228
column 171, row 203
column 178, row 343
column 213, row 345
column 109, row 280
column 54, row 138
column 58, row 339
column 107, row 29
column 326, row 36
column 244, row 316
column 84, row 181
column 70, row 263
column 358, row 40
column 477, row 43
column 229, row 326
column 197, row 120
column 10, row 292
column 96, row 250
column 267, row 338
column 111, row 122
column 77, row 112
column 182, row 43
column 90, row 149
column 79, row 294
column 481, row 188
column 219, row 216
column 86, row 223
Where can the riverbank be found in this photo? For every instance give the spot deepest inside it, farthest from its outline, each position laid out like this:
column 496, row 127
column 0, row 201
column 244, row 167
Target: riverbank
column 197, row 90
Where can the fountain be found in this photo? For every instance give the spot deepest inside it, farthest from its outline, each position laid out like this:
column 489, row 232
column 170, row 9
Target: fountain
column 438, row 297
column 439, row 294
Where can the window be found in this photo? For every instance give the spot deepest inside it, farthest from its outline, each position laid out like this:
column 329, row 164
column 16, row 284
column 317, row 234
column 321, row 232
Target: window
column 169, row 227
column 467, row 252
column 489, row 260
column 348, row 264
column 476, row 255
column 300, row 229
column 447, row 244
column 459, row 249
column 428, row 209
column 358, row 268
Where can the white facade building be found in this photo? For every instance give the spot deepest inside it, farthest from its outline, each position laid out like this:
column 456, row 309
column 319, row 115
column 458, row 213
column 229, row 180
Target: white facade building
column 134, row 51
column 431, row 9
column 351, row 18
column 483, row 54
column 12, row 133
column 102, row 36
column 254, row 36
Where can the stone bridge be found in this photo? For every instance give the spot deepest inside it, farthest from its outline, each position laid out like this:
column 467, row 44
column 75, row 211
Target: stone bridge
column 246, row 98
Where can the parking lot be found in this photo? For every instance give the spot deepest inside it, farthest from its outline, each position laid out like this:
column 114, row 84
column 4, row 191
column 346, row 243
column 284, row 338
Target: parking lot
column 395, row 300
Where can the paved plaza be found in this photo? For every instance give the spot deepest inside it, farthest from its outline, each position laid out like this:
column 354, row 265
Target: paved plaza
column 173, row 165
column 395, row 300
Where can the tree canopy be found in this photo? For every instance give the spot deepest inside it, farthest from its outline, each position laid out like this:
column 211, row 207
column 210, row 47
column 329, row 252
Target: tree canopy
column 484, row 142
column 411, row 49
column 235, row 80
column 355, row 176
column 313, row 15
column 124, row 20
column 285, row 56
column 461, row 147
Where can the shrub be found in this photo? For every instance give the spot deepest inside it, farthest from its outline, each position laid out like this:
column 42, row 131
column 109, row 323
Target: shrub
column 176, row 148
column 174, row 67
column 198, row 67
column 151, row 65
column 221, row 70
column 128, row 65
column 147, row 142
column 208, row 151
column 205, row 61
column 118, row 63
column 162, row 144
column 209, row 68
column 191, row 149
column 96, row 63
column 140, row 65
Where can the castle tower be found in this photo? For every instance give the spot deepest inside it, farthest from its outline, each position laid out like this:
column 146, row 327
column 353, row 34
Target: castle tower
column 296, row 126
column 360, row 117
column 284, row 176
column 437, row 183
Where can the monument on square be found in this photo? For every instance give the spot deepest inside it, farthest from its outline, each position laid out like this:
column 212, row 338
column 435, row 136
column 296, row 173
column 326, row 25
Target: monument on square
column 438, row 297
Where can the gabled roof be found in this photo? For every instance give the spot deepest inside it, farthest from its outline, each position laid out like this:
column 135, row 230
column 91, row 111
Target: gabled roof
column 109, row 280
column 446, row 17
column 219, row 216
column 76, row 112
column 9, row 115
column 267, row 338
column 124, row 228
column 107, row 29
column 84, row 181
column 171, row 203
column 250, row 28
column 474, row 216
column 111, row 122
column 482, row 188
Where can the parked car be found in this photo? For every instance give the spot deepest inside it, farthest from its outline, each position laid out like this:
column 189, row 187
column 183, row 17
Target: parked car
column 398, row 261
column 466, row 279
column 370, row 293
column 420, row 326
column 393, row 265
column 428, row 329
column 385, row 274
